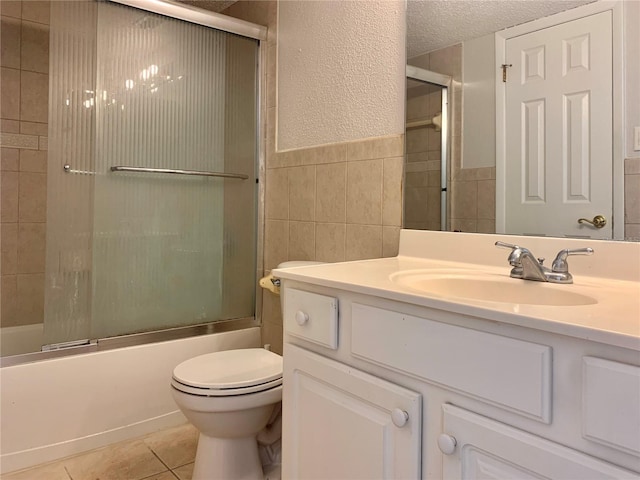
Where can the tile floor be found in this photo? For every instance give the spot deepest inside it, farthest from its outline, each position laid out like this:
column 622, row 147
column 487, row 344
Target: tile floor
column 164, row 455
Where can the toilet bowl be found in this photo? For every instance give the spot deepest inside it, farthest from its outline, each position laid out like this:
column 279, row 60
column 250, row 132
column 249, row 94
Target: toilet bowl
column 229, row 397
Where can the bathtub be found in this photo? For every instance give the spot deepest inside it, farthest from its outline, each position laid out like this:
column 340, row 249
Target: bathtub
column 23, row 339
column 54, row 408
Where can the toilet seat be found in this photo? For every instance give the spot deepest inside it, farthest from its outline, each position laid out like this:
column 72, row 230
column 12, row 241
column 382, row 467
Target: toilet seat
column 229, row 373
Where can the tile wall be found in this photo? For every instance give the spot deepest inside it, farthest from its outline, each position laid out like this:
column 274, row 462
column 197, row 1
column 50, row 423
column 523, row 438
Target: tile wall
column 632, row 199
column 24, row 84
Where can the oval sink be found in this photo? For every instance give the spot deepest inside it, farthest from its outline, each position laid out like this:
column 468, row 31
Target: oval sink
column 491, row 288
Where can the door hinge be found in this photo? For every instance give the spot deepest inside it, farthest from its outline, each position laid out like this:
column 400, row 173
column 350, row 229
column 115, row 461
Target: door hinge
column 504, row 67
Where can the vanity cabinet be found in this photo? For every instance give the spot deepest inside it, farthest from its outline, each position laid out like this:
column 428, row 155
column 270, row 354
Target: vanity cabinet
column 483, row 398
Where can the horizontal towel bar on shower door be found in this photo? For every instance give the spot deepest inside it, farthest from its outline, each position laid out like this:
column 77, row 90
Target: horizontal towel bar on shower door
column 120, row 168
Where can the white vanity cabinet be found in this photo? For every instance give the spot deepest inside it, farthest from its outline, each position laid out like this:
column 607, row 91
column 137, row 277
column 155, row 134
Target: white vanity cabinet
column 378, row 388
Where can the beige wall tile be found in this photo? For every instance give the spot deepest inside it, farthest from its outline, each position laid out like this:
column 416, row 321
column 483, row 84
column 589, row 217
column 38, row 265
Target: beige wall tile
column 277, row 194
column 35, row 47
column 486, row 226
column 364, row 192
column 10, row 159
column 31, row 247
column 302, row 241
column 632, row 165
column 334, row 153
column 392, row 191
column 10, row 42
column 9, row 126
column 464, row 225
column 363, row 241
column 390, row 241
column 381, row 147
column 33, row 161
column 36, row 11
column 302, row 193
column 416, row 205
column 330, row 242
column 30, row 304
column 417, row 140
column 11, row 8
column 9, row 239
column 632, row 198
column 33, row 197
column 34, row 97
column 272, row 334
column 185, row 472
column 9, row 300
column 10, row 93
column 16, row 140
column 276, row 241
column 331, row 187
column 32, row 128
column 632, row 232
column 487, row 199
column 271, row 308
column 9, row 193
column 465, row 200
column 447, row 61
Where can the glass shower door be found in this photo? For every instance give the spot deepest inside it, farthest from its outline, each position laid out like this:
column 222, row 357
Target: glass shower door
column 169, row 250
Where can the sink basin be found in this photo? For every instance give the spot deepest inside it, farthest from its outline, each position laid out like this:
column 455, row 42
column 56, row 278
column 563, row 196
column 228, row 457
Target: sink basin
column 488, row 287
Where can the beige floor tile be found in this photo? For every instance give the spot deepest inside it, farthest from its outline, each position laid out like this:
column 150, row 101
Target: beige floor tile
column 162, row 476
column 174, row 446
column 52, row 471
column 126, row 460
column 185, row 472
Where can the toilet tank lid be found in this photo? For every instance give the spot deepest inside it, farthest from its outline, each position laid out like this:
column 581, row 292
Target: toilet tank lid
column 298, row 263
column 230, row 369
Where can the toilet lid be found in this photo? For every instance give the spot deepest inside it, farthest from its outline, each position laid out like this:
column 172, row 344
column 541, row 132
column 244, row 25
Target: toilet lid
column 230, row 369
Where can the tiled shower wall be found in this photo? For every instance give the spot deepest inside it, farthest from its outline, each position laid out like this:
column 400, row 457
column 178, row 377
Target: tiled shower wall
column 24, row 108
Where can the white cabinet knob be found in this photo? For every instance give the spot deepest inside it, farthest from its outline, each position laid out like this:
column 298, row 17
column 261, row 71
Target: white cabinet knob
column 399, row 417
column 447, row 443
column 301, row 317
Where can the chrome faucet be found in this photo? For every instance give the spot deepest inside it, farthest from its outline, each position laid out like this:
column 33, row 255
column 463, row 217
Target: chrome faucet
column 527, row 267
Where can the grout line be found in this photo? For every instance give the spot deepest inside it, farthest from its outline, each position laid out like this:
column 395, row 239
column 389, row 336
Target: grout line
column 69, row 474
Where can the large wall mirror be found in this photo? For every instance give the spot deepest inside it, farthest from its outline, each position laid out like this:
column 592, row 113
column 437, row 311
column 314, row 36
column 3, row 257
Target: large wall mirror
column 536, row 118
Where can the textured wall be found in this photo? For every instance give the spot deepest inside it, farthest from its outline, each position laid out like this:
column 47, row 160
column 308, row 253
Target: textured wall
column 340, row 71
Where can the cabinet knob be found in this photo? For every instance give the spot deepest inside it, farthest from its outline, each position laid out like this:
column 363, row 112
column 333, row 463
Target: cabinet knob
column 301, row 317
column 399, row 417
column 447, row 443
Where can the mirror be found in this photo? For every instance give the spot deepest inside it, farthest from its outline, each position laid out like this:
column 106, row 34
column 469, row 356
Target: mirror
column 457, row 39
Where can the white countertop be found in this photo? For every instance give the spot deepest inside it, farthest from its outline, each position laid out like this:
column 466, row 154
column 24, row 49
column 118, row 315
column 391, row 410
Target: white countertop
column 614, row 319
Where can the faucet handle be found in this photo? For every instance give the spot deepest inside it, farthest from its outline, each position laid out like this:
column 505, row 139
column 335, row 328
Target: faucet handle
column 560, row 263
column 506, row 245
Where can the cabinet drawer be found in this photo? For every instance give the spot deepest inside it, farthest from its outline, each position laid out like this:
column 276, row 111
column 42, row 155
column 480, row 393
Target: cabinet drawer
column 504, row 371
column 311, row 316
column 612, row 419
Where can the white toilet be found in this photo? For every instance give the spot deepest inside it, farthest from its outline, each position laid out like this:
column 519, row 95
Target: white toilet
column 229, row 397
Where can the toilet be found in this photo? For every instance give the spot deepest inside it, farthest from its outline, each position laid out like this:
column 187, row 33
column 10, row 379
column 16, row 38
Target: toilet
column 229, row 397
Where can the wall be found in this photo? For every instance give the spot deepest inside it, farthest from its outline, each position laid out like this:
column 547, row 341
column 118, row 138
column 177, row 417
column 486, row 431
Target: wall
column 341, row 71
column 24, row 116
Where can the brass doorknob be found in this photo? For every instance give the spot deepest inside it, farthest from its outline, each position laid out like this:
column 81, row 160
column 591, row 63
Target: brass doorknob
column 598, row 221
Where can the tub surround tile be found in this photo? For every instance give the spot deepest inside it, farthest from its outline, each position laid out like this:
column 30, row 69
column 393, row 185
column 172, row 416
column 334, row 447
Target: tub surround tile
column 9, row 234
column 10, row 159
column 9, row 126
column 30, row 299
column 10, row 93
column 33, row 161
column 9, row 201
column 32, row 197
column 34, row 107
column 31, row 247
column 36, row 11
column 11, row 8
column 10, row 42
column 9, row 299
column 34, row 55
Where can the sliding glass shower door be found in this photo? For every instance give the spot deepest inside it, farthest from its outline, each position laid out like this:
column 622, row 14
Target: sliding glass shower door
column 150, row 247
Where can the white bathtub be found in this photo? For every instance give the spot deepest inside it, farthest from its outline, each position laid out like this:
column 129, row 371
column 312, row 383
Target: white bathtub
column 55, row 408
column 18, row 340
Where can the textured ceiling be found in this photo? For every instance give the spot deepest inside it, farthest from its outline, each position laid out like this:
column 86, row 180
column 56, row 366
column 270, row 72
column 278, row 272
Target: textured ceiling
column 434, row 24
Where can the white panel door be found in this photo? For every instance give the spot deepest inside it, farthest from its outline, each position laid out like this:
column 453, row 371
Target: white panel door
column 559, row 129
column 485, row 449
column 340, row 423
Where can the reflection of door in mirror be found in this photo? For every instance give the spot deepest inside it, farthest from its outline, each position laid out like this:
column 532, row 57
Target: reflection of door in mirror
column 425, row 193
column 558, row 130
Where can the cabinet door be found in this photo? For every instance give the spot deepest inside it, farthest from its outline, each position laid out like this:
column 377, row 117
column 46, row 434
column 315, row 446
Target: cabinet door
column 340, row 423
column 486, row 449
